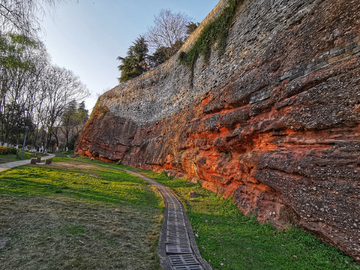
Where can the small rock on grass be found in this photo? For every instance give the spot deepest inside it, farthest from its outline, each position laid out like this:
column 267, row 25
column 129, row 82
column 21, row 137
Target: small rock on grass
column 3, row 242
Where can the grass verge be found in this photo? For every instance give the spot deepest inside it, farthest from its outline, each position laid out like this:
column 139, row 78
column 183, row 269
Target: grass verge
column 72, row 215
column 13, row 157
column 229, row 240
column 69, row 153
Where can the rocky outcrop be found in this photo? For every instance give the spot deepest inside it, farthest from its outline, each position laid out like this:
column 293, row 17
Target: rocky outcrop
column 273, row 122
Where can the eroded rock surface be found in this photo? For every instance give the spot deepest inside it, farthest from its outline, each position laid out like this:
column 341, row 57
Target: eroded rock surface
column 273, row 122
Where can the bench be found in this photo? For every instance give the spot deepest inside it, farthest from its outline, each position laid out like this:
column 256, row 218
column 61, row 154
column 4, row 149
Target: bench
column 48, row 161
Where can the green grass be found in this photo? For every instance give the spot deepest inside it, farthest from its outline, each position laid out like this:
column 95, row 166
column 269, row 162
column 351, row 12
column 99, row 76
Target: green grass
column 97, row 185
column 229, row 240
column 72, row 215
column 64, row 153
column 13, row 157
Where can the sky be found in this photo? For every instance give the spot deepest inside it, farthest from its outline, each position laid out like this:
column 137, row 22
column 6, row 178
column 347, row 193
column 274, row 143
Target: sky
column 86, row 36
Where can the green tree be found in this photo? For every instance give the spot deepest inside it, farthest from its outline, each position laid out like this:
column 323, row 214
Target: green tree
column 158, row 57
column 83, row 109
column 83, row 116
column 73, row 120
column 164, row 53
column 16, row 64
column 13, row 120
column 191, row 27
column 12, row 47
column 134, row 64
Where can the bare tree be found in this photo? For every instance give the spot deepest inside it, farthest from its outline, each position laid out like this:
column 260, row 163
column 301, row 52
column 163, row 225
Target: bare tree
column 22, row 16
column 73, row 120
column 62, row 87
column 169, row 29
column 33, row 92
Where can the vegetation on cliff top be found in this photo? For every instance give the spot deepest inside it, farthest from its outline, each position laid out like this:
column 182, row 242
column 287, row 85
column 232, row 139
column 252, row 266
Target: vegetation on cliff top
column 98, row 110
column 167, row 37
column 164, row 39
column 217, row 31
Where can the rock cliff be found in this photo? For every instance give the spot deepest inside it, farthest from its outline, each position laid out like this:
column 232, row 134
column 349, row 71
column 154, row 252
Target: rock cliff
column 272, row 122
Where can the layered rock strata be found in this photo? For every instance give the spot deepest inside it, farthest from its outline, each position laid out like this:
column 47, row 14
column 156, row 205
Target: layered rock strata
column 273, row 122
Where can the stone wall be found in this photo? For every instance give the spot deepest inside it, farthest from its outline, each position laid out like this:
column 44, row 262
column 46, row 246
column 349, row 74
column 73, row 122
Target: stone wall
column 273, row 122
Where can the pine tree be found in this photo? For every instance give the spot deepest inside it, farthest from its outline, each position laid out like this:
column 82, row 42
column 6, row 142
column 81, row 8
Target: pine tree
column 134, row 64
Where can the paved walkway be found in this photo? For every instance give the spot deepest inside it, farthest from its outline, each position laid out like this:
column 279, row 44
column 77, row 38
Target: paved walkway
column 9, row 165
column 177, row 246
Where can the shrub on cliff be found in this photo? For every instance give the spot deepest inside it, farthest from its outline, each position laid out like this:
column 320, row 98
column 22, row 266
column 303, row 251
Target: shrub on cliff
column 217, row 31
column 164, row 53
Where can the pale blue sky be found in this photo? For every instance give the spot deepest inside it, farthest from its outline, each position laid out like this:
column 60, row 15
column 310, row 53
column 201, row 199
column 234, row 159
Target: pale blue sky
column 86, row 36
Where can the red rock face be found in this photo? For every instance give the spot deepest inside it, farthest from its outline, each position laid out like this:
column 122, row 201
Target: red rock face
column 280, row 134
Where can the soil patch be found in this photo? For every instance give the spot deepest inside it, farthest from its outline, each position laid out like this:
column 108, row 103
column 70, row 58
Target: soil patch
column 73, row 165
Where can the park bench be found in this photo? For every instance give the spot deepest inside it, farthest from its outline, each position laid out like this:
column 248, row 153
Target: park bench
column 38, row 160
column 48, row 161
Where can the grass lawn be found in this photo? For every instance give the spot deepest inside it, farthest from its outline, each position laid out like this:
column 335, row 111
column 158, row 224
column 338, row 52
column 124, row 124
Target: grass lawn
column 72, row 215
column 12, row 157
column 229, row 240
column 69, row 153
